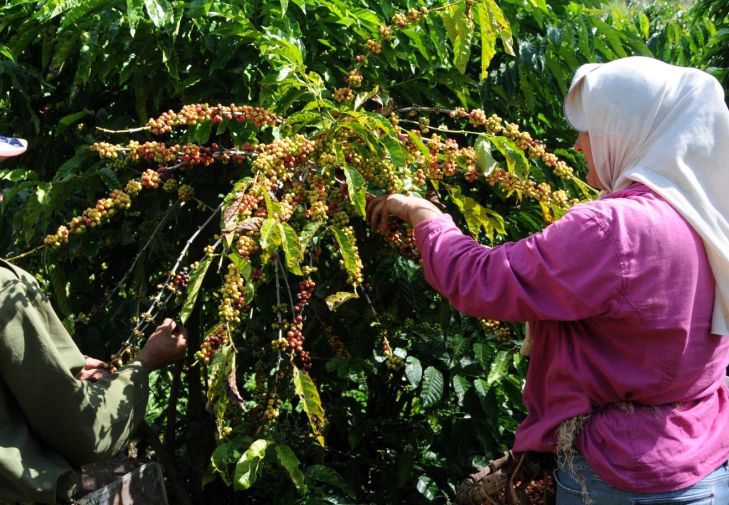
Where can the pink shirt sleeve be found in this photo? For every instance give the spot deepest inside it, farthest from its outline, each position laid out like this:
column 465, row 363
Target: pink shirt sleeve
column 569, row 271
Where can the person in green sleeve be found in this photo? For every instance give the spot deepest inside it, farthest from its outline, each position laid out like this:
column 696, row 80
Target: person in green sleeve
column 60, row 409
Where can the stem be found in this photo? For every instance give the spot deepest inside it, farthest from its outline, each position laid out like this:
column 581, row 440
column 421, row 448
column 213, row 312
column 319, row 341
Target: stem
column 129, row 130
column 147, row 316
column 26, row 253
column 146, row 245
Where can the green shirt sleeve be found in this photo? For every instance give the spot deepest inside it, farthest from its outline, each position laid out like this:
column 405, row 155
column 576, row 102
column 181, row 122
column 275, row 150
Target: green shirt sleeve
column 80, row 421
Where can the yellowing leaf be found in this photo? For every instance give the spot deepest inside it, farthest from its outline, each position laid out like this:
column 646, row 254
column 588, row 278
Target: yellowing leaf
column 335, row 300
column 309, row 395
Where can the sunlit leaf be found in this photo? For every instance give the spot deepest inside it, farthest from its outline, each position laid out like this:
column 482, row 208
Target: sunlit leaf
column 335, row 300
column 432, row 388
column 193, row 288
column 309, row 396
column 246, row 470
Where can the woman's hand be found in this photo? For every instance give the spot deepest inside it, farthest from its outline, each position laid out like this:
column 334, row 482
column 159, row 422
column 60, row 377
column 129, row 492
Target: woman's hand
column 410, row 209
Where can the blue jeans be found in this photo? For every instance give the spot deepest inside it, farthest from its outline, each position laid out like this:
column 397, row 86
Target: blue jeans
column 713, row 490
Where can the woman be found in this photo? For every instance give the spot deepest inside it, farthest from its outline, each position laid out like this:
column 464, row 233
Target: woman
column 627, row 297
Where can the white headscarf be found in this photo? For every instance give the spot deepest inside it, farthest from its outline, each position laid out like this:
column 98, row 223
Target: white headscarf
column 667, row 127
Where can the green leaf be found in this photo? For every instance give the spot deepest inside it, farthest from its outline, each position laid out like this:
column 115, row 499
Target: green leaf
column 488, row 38
column 69, row 119
column 459, row 29
column 160, row 12
column 308, row 233
column 427, row 487
column 290, row 462
column 222, row 456
column 337, row 299
column 500, row 25
column 193, row 288
column 329, row 476
column 246, row 470
column 309, row 395
column 134, row 15
column 477, row 216
column 292, row 249
column 516, row 162
column 349, row 256
column 244, row 266
column 432, row 389
column 356, row 188
column 499, row 368
column 7, row 53
column 270, row 236
column 484, row 160
column 460, row 387
column 413, row 370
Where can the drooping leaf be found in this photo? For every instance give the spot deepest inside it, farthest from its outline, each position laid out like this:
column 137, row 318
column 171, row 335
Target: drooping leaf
column 459, row 28
column 309, row 396
column 308, row 233
column 193, row 288
column 432, row 388
column 347, row 249
column 484, row 160
column 460, row 387
column 427, row 487
column 270, row 236
column 246, row 470
column 488, row 38
column 290, row 462
column 356, row 188
column 159, row 11
column 292, row 249
column 499, row 368
column 413, row 370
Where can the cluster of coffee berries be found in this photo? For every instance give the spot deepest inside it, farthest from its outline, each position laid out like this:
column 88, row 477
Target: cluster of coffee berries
column 213, row 342
column 90, row 218
column 277, row 159
column 233, row 295
column 354, row 79
column 393, row 362
column 246, row 246
column 402, row 238
column 193, row 114
column 271, row 412
column 335, row 342
column 133, row 187
column 150, row 179
column 105, row 149
column 533, row 148
column 185, row 193
column 343, row 95
column 373, row 46
column 181, row 279
column 490, row 325
column 541, row 192
column 152, row 151
column 57, row 239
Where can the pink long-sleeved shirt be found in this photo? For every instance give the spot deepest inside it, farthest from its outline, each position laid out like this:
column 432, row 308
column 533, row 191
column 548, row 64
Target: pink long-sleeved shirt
column 619, row 296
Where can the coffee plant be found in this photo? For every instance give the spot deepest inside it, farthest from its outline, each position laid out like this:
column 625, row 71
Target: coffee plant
column 322, row 368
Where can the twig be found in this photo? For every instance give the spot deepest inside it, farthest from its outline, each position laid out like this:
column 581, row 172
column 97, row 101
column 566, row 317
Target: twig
column 146, row 245
column 147, row 316
column 26, row 253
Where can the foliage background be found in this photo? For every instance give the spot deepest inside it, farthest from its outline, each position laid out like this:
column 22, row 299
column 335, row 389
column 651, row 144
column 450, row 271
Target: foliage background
column 67, row 67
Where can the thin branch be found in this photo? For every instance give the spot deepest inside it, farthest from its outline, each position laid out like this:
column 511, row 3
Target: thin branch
column 26, row 253
column 144, row 248
column 148, row 315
